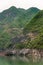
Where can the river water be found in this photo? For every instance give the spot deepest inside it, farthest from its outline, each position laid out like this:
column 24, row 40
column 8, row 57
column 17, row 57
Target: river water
column 20, row 61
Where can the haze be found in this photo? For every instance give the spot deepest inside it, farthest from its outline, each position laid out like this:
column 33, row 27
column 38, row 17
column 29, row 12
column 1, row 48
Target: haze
column 5, row 4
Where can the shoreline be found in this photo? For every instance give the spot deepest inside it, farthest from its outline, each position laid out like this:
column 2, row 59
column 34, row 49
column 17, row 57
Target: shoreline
column 23, row 52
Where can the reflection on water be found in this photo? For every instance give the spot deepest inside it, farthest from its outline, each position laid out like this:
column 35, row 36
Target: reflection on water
column 21, row 60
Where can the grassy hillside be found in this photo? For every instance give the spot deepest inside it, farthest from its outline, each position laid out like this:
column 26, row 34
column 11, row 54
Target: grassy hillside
column 34, row 29
column 12, row 22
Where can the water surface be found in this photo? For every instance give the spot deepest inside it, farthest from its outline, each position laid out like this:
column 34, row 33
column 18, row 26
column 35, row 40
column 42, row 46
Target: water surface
column 20, row 61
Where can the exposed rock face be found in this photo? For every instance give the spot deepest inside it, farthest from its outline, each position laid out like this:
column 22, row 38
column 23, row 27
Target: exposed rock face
column 41, row 52
column 36, row 54
column 32, row 35
column 19, row 39
column 25, row 52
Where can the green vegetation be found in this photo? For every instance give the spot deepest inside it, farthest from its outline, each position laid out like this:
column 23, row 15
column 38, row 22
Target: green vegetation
column 35, row 27
column 12, row 22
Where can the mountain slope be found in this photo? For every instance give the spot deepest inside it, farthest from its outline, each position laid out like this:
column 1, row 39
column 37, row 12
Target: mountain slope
column 27, row 16
column 34, row 30
column 17, row 17
column 12, row 22
column 11, row 12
